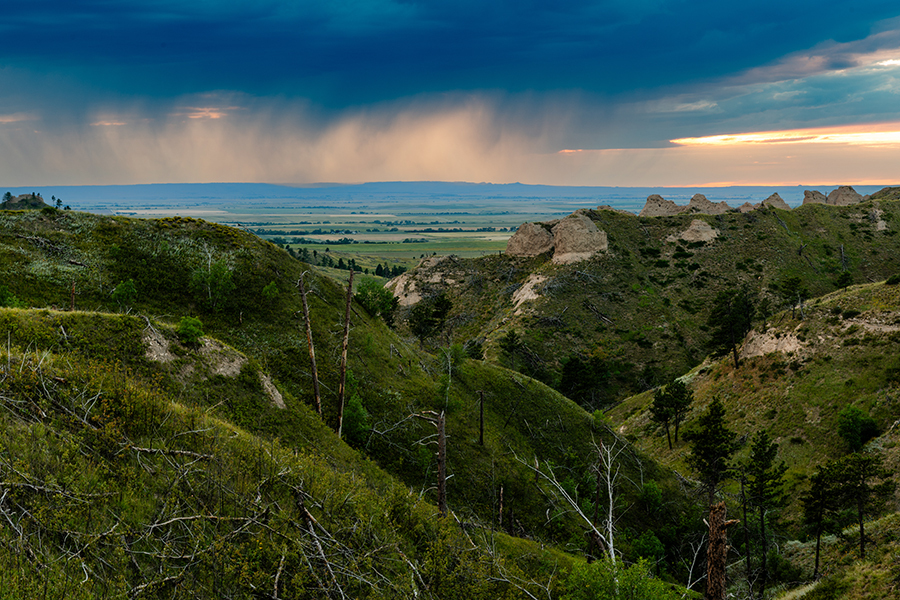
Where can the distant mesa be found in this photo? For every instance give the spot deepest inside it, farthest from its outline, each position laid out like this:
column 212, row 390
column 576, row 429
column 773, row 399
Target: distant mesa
column 572, row 239
column 23, row 202
column 845, row 195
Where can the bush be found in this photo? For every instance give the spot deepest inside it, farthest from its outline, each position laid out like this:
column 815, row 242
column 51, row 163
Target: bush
column 125, row 293
column 856, row 427
column 7, row 298
column 190, row 330
column 270, row 292
column 377, row 300
column 893, row 279
column 601, row 580
column 357, row 422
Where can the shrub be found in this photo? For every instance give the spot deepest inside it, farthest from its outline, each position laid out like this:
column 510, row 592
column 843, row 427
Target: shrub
column 856, row 427
column 9, row 299
column 125, row 293
column 601, row 580
column 893, row 279
column 357, row 422
column 190, row 330
column 270, row 292
column 377, row 300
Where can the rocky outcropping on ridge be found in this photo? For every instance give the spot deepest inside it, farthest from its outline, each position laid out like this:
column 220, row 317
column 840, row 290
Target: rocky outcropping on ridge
column 700, row 205
column 657, row 206
column 572, row 239
column 844, row 196
column 699, row 231
column 775, row 201
column 576, row 238
column 813, row 197
column 531, row 239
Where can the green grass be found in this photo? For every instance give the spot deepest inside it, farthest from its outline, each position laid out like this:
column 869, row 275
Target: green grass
column 264, row 332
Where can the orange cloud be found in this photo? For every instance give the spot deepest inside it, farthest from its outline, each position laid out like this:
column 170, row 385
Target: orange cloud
column 851, row 135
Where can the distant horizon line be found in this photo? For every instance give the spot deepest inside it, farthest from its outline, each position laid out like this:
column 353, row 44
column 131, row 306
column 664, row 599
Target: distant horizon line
column 330, row 184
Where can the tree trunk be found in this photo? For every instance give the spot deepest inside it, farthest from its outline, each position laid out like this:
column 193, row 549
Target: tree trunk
column 717, row 552
column 862, row 530
column 818, row 547
column 746, row 541
column 312, row 351
column 762, row 539
column 442, row 465
column 668, row 437
column 344, row 356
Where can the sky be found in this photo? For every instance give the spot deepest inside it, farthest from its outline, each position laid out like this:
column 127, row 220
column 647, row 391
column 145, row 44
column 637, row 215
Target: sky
column 569, row 92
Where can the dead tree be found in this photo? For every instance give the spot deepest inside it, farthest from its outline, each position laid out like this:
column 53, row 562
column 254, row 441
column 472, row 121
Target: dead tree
column 341, row 386
column 309, row 343
column 717, row 552
column 439, row 421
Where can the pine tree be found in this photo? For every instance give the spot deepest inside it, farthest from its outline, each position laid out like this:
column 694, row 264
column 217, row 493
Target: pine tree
column 712, row 445
column 730, row 320
column 864, row 485
column 671, row 405
column 765, row 478
column 818, row 502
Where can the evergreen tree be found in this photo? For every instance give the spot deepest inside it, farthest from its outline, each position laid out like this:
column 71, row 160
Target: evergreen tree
column 712, row 445
column 671, row 405
column 863, row 485
column 730, row 320
column 818, row 502
column 765, row 478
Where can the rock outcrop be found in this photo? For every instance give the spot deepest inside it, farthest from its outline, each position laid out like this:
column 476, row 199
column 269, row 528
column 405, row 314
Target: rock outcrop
column 572, row 239
column 775, row 201
column 700, row 205
column 657, row 206
column 813, row 197
column 843, row 196
column 576, row 238
column 699, row 231
column 531, row 239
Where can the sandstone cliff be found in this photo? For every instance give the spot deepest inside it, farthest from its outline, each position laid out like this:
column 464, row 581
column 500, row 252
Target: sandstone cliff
column 572, row 239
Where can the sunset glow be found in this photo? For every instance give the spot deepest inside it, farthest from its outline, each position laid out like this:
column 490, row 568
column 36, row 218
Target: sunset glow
column 305, row 92
column 849, row 135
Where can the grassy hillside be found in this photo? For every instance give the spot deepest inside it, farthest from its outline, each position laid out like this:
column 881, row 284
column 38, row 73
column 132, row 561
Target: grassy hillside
column 115, row 486
column 798, row 372
column 845, row 352
column 248, row 385
column 640, row 309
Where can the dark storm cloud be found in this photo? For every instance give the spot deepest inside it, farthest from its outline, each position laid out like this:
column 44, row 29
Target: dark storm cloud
column 345, row 53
